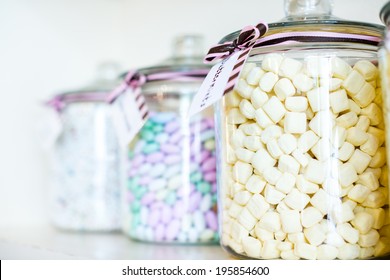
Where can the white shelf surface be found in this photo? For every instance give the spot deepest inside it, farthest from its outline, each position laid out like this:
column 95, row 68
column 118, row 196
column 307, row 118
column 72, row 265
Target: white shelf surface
column 46, row 242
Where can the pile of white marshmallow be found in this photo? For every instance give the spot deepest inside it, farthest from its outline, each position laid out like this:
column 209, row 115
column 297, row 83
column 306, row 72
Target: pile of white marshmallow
column 304, row 166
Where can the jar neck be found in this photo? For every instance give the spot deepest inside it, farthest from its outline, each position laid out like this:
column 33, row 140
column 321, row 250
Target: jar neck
column 307, row 9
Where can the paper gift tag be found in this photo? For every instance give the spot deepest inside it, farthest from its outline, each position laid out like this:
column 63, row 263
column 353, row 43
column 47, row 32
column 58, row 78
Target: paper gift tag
column 219, row 81
column 129, row 113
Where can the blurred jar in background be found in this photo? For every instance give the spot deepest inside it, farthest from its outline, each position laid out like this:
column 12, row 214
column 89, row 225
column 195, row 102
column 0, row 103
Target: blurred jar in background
column 171, row 192
column 86, row 159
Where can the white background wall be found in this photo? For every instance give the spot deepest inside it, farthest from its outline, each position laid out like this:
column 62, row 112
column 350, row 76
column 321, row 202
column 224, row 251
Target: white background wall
column 51, row 45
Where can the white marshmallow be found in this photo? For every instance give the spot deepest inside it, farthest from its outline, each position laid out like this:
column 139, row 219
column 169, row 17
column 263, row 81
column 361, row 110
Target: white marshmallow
column 342, row 213
column 305, row 186
column 262, row 118
column 253, row 77
column 253, row 143
column 379, row 159
column 252, row 247
column 236, row 117
column 284, row 88
column 369, row 239
column 251, row 129
column 271, row 132
column 274, row 109
column 296, row 104
column 365, row 96
column 242, row 171
column 339, row 101
column 271, row 62
column 363, row 222
column 246, row 219
column 280, row 235
column 369, row 180
column 347, row 232
column 356, row 136
column 360, row 161
column 321, row 124
column 353, row 107
column 247, row 109
column 274, row 149
column 374, row 113
column 378, row 216
column 318, row 99
column 295, row 122
column 287, row 143
column 232, row 99
column 296, row 237
column 290, row 67
column 307, row 140
column 246, row 69
column 288, row 164
column 322, row 149
column 316, row 171
column 347, row 120
column 272, row 175
column 322, row 201
column 305, row 251
column 375, row 199
column 378, row 133
column 301, row 158
column 244, row 89
column 310, row 216
column 347, row 174
column 335, row 84
column 270, row 250
column 315, row 235
column 302, row 82
column 327, row 252
column 316, row 66
column 334, row 239
column 285, row 245
column 234, row 210
column 263, row 234
column 244, row 155
column 270, row 221
column 286, row 182
column 255, row 184
column 349, row 252
column 371, row 145
column 359, row 193
column 339, row 135
column 230, row 155
column 297, row 200
column 242, row 197
column 237, row 247
column 346, row 151
column 353, row 83
column 268, row 81
column 237, row 231
column 258, row 98
column 262, row 159
column 273, row 196
column 340, row 68
column 288, row 255
column 257, row 206
column 368, row 70
column 291, row 222
column 366, row 253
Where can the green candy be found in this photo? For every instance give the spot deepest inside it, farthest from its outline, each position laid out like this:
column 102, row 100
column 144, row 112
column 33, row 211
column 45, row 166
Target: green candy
column 150, row 148
column 135, row 206
column 147, row 135
column 132, row 184
column 170, row 199
column 214, row 198
column 195, row 177
column 139, row 192
column 203, row 187
column 158, row 128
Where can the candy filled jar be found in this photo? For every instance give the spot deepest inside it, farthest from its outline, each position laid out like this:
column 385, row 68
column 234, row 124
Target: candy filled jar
column 171, row 192
column 86, row 160
column 302, row 169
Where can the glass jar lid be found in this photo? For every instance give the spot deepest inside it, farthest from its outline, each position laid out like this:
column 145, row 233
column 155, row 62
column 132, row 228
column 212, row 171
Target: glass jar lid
column 385, row 14
column 314, row 16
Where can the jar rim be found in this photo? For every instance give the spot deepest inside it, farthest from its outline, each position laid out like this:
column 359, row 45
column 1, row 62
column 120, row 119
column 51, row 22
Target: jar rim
column 384, row 14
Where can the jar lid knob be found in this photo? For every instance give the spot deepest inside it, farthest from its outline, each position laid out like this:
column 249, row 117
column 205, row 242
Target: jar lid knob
column 188, row 46
column 307, row 9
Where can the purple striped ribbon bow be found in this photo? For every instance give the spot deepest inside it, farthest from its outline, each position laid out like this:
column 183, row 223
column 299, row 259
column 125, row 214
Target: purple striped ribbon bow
column 246, row 39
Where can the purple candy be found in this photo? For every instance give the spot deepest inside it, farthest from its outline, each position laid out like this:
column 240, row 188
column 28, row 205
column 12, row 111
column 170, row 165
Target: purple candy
column 170, row 148
column 179, row 209
column 133, row 172
column 195, row 199
column 195, row 148
column 214, row 187
column 210, row 176
column 159, row 232
column 171, row 159
column 172, row 231
column 166, row 215
column 172, row 126
column 129, row 197
column 209, row 164
column 204, row 155
column 137, row 161
column 145, row 180
column 154, row 217
column 148, row 198
column 175, row 137
column 155, row 157
column 211, row 220
column 210, row 122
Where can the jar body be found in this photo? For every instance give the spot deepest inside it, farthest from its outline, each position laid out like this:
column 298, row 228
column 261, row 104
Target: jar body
column 87, row 170
column 293, row 172
column 171, row 192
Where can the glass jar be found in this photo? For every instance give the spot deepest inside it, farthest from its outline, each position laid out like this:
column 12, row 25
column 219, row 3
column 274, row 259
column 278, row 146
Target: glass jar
column 86, row 163
column 171, row 193
column 301, row 151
